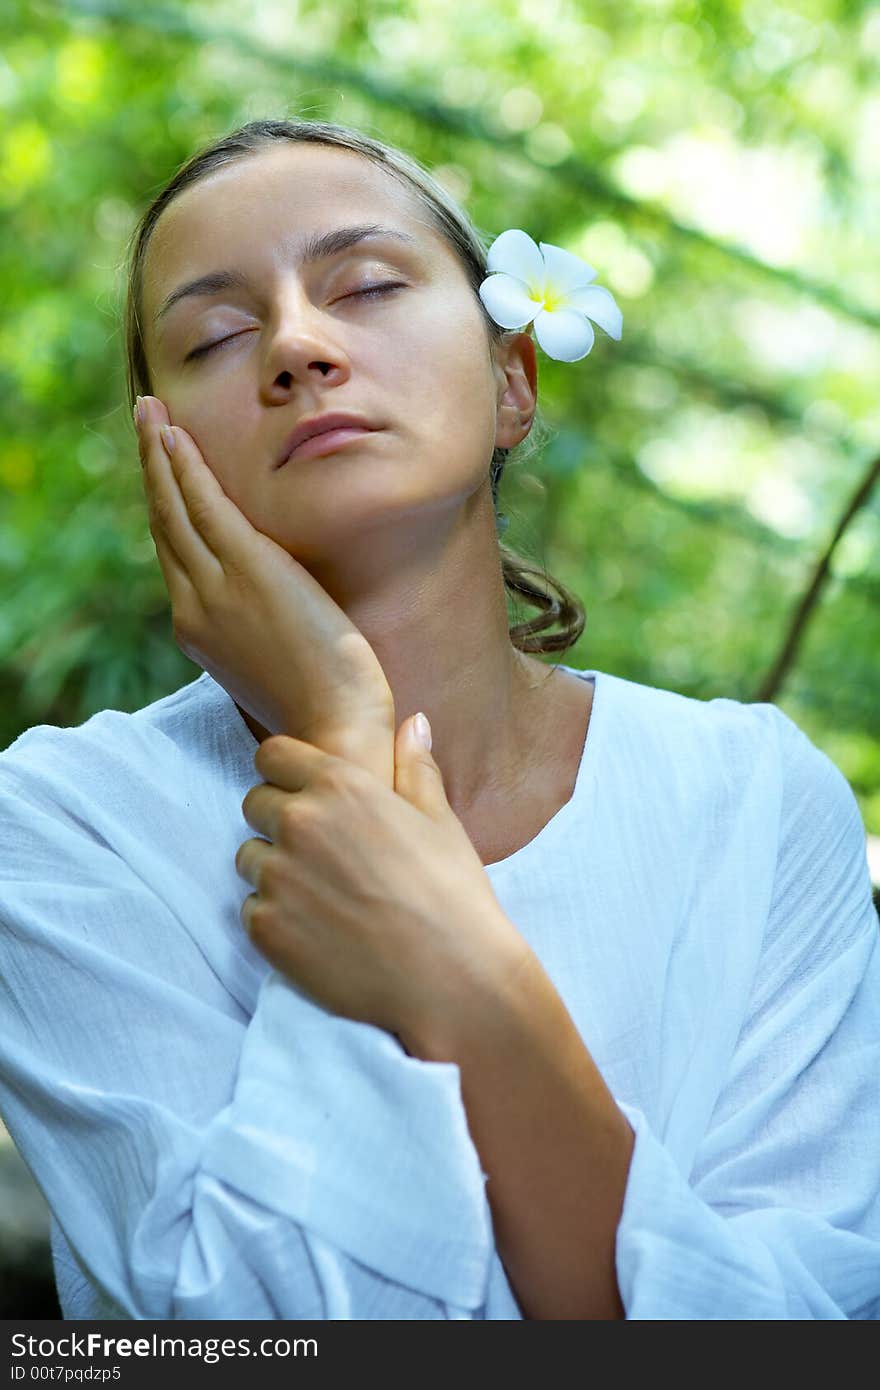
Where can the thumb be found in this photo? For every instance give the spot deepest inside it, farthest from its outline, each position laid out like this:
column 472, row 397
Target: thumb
column 417, row 777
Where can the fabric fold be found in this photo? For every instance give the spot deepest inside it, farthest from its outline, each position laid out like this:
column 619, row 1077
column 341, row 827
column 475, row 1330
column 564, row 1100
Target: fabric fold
column 320, row 1104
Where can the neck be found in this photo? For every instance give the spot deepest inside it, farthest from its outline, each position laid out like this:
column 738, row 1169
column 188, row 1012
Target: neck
column 434, row 612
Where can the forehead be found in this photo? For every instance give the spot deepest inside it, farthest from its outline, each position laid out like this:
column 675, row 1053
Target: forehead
column 269, row 203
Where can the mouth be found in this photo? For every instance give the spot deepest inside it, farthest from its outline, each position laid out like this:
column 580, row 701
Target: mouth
column 327, row 442
column 323, row 434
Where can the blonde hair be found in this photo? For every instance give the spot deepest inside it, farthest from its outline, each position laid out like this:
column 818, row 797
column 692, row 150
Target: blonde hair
column 558, row 606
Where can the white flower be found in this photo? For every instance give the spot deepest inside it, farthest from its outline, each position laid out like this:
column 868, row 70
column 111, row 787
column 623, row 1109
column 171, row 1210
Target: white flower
column 552, row 288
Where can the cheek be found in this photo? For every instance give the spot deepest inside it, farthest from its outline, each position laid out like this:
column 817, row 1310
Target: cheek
column 448, row 372
column 467, row 402
column 216, row 415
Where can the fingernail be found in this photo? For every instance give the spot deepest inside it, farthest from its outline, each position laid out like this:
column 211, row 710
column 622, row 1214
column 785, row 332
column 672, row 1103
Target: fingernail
column 423, row 730
column 167, row 438
column 138, row 412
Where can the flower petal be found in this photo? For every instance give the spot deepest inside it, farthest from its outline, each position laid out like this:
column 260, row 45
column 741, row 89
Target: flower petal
column 508, row 301
column 514, row 253
column 565, row 272
column 564, row 334
column 599, row 304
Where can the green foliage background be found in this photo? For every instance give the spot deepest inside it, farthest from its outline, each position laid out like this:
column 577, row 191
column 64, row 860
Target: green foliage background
column 717, row 163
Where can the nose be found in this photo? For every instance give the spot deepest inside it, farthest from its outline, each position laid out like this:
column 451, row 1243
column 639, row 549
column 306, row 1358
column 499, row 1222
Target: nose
column 303, row 346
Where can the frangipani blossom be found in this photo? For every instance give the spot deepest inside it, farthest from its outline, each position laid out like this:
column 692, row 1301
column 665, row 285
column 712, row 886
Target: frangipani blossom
column 551, row 287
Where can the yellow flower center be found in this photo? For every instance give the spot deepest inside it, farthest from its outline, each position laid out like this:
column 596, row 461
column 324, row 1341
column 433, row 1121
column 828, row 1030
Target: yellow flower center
column 550, row 299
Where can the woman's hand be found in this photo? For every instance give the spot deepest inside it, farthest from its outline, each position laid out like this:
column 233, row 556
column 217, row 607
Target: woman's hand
column 254, row 618
column 374, row 901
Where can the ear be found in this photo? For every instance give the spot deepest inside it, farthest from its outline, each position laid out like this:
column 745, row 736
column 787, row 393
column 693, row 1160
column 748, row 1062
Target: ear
column 516, row 372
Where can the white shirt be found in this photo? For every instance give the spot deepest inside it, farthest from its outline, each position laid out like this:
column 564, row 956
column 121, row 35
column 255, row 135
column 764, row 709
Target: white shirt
column 214, row 1144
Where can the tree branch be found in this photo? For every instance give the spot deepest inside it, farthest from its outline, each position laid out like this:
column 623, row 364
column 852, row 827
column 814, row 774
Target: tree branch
column 771, row 683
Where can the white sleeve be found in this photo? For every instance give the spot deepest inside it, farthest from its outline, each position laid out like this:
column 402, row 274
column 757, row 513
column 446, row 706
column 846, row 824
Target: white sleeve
column 780, row 1215
column 201, row 1164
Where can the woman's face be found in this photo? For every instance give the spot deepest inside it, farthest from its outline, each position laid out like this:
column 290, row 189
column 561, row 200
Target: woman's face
column 296, row 339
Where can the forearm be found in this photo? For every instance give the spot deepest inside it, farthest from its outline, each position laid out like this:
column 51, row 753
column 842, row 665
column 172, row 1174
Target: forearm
column 555, row 1145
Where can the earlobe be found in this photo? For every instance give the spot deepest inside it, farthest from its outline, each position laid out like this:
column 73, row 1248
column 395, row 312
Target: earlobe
column 517, row 429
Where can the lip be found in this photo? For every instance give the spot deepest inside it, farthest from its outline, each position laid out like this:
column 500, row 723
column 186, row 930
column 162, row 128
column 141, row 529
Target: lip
column 318, row 425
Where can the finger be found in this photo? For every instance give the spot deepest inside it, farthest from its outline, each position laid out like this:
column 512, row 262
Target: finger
column 249, row 859
column 262, row 808
column 287, row 765
column 173, row 570
column 290, row 763
column 246, row 912
column 189, row 557
column 177, row 581
column 226, row 535
column 159, row 496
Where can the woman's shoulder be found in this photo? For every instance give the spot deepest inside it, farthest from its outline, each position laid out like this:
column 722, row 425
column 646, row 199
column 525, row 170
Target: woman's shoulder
column 190, row 726
column 128, row 825
column 717, row 766
column 746, row 738
column 667, row 728
column 722, row 755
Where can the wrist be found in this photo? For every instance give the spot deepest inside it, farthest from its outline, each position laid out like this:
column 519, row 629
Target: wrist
column 368, row 741
column 486, row 1014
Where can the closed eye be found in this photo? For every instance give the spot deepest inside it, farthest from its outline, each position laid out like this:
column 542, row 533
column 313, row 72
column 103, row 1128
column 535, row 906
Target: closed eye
column 377, row 289
column 366, row 292
column 209, row 347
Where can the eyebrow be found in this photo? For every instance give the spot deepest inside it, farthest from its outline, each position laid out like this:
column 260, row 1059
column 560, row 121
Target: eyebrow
column 318, row 247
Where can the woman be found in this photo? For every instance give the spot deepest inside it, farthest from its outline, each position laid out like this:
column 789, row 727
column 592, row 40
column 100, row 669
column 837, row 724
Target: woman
column 573, row 1014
